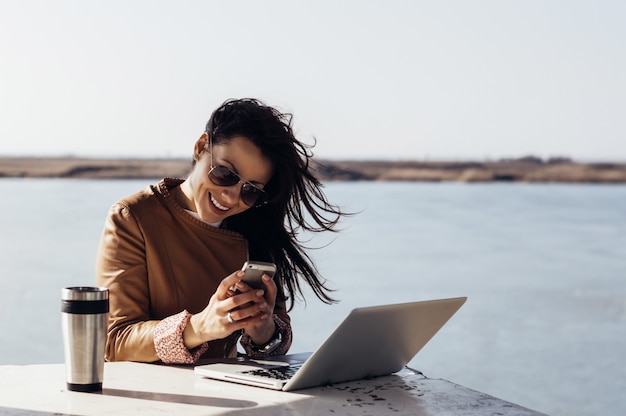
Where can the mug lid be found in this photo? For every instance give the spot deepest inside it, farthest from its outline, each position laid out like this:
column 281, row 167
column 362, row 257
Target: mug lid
column 84, row 293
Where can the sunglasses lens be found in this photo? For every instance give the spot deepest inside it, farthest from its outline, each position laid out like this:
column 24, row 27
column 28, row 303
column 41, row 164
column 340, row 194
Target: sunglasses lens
column 223, row 176
column 252, row 196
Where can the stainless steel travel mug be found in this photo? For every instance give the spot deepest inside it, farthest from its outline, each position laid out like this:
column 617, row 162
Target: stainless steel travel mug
column 84, row 322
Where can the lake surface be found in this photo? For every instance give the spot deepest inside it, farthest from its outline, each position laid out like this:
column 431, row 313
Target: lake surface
column 543, row 266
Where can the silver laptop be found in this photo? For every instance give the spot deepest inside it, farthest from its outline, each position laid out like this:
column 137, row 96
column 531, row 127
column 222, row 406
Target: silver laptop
column 370, row 342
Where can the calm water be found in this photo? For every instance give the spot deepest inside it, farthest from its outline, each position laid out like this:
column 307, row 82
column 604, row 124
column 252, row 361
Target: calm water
column 544, row 267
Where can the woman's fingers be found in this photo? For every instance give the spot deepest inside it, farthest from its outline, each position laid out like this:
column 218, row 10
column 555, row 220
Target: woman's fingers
column 227, row 287
column 239, row 305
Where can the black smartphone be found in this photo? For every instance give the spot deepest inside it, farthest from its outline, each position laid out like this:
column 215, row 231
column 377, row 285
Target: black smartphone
column 254, row 271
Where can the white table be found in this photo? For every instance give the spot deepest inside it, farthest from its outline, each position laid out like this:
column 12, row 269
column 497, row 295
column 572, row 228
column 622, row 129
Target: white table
column 150, row 389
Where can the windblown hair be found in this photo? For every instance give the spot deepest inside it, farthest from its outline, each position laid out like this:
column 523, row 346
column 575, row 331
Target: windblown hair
column 296, row 200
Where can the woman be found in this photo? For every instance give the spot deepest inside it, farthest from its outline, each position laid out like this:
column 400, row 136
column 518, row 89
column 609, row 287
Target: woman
column 170, row 254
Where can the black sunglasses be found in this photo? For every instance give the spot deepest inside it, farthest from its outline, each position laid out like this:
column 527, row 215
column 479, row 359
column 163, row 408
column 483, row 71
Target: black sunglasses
column 250, row 194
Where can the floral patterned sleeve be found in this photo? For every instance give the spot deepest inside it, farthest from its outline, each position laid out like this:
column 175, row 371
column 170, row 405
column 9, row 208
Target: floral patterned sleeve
column 168, row 341
column 284, row 329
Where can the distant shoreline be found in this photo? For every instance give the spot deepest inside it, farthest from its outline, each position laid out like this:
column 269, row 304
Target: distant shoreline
column 526, row 169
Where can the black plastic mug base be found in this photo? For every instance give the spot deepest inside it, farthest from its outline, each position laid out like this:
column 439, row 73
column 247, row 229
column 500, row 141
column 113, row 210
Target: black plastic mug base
column 85, row 388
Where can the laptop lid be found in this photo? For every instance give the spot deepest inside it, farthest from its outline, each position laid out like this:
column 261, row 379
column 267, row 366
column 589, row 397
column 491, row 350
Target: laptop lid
column 370, row 342
column 374, row 341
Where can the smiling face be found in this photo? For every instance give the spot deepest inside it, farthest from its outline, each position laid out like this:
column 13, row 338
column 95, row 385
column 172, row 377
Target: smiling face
column 215, row 203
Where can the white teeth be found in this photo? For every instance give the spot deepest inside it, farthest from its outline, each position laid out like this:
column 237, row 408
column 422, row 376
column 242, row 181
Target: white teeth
column 217, row 204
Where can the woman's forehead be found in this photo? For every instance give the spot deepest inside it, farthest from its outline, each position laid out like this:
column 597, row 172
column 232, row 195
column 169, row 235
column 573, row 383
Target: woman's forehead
column 245, row 158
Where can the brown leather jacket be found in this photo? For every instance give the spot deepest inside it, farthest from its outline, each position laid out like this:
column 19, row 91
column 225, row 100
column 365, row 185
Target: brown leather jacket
column 158, row 260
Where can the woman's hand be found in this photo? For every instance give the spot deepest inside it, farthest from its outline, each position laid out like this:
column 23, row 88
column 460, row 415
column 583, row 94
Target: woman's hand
column 261, row 330
column 234, row 306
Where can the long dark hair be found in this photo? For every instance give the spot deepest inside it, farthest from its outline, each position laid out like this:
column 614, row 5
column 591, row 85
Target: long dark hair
column 296, row 200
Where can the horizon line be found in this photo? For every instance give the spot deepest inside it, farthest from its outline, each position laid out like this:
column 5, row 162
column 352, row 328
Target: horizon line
column 332, row 159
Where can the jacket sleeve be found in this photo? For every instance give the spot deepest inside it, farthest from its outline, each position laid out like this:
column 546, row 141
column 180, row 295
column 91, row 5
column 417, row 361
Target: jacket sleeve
column 121, row 267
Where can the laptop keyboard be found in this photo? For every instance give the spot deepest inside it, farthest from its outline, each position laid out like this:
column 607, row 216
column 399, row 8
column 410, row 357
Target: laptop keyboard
column 277, row 373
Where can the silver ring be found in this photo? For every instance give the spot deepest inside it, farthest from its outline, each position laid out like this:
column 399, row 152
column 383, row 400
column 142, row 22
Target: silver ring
column 230, row 318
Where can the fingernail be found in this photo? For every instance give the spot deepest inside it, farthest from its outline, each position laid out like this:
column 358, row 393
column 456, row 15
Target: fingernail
column 259, row 293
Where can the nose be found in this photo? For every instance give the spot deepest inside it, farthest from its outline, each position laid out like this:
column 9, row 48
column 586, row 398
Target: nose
column 232, row 194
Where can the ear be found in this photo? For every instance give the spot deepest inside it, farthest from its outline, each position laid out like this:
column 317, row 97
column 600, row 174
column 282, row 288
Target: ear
column 202, row 144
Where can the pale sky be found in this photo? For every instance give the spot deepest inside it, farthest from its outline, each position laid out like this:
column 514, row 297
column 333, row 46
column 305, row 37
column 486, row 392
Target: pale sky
column 367, row 79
